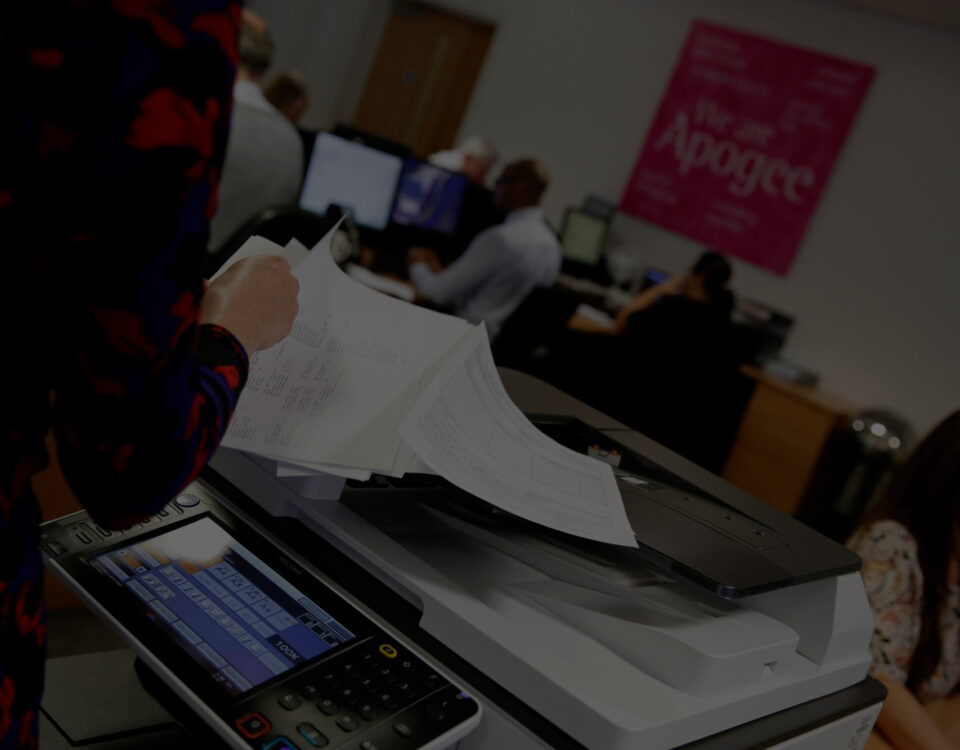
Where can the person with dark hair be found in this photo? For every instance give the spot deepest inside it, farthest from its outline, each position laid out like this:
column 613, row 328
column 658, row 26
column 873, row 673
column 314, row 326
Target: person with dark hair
column 263, row 167
column 910, row 545
column 287, row 91
column 502, row 264
column 700, row 296
column 662, row 365
column 702, row 293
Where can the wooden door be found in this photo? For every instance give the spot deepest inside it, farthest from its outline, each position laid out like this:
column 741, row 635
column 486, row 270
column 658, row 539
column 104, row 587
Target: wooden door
column 426, row 67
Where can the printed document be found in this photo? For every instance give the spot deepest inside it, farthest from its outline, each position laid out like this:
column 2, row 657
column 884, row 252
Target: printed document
column 294, row 251
column 336, row 389
column 466, row 428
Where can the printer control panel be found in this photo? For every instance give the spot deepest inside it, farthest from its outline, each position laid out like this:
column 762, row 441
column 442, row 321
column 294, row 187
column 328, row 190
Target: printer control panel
column 257, row 644
column 379, row 693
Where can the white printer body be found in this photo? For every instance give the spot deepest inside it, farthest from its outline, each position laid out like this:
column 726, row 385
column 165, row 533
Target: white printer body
column 607, row 651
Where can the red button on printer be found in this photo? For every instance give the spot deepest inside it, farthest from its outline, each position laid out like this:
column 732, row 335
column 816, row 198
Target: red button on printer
column 253, row 725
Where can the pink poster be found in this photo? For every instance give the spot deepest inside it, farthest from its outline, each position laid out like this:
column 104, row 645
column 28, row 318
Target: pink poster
column 743, row 143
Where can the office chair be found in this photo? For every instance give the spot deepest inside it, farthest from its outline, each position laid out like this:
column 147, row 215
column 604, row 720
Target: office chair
column 534, row 328
column 669, row 382
column 279, row 224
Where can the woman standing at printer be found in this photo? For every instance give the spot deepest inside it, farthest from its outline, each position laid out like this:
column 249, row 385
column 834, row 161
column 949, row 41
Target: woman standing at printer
column 116, row 117
column 910, row 547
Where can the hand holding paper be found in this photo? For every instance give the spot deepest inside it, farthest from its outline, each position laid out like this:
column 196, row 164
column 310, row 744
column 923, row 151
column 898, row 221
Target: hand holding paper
column 255, row 299
column 368, row 383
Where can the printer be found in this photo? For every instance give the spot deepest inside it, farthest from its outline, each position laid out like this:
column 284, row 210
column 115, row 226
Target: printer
column 730, row 626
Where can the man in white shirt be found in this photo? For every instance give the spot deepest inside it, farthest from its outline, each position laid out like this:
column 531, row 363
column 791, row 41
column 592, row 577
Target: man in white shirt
column 263, row 166
column 504, row 263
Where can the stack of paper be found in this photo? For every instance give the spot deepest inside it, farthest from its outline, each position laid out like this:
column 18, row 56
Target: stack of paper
column 467, row 429
column 367, row 383
column 331, row 396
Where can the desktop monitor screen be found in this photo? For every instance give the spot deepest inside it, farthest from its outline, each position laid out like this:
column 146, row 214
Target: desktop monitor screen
column 359, row 179
column 583, row 236
column 429, row 197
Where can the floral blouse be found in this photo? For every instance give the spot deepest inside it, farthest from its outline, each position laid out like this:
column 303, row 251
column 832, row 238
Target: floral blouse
column 894, row 583
column 112, row 132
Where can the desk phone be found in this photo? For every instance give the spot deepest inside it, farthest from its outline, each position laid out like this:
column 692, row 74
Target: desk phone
column 257, row 641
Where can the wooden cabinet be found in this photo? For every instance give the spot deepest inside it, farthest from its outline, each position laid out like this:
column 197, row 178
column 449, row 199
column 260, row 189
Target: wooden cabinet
column 781, row 438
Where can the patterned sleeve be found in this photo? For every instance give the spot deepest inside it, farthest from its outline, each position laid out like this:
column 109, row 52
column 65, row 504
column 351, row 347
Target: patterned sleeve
column 894, row 584
column 119, row 118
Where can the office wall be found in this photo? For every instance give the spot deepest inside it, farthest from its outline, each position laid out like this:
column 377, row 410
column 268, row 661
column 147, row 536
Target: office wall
column 331, row 42
column 577, row 82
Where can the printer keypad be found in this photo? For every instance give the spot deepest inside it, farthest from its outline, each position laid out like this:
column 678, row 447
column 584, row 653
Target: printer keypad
column 374, row 692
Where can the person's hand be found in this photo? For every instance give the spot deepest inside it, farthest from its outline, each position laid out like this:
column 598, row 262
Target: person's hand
column 255, row 299
column 673, row 285
column 426, row 256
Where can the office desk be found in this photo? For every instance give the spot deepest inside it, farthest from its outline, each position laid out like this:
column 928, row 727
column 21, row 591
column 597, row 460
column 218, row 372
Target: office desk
column 781, row 438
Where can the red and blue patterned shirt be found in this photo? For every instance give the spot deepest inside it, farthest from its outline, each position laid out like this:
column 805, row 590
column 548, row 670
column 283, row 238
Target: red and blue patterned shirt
column 114, row 123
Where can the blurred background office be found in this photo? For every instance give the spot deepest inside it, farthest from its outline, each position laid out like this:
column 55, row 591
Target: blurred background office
column 474, row 157
column 854, row 341
column 264, row 162
column 287, row 92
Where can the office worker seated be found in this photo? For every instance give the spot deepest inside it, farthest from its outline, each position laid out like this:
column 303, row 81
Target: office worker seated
column 664, row 365
column 700, row 297
column 910, row 545
column 264, row 162
column 504, row 263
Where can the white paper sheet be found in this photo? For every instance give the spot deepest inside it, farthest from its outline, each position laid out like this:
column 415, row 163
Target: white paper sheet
column 369, row 279
column 295, row 251
column 336, row 389
column 296, row 469
column 466, row 428
column 407, row 462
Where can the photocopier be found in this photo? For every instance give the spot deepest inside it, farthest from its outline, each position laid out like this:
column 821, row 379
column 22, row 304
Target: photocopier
column 730, row 626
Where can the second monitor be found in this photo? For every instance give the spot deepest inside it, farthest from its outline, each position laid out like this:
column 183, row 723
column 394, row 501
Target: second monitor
column 429, row 197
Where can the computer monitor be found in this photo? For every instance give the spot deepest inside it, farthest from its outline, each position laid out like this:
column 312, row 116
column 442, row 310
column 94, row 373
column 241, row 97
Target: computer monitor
column 366, row 138
column 583, row 236
column 429, row 197
column 359, row 179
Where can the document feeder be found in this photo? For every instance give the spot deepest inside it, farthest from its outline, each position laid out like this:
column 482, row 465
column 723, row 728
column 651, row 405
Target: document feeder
column 704, row 531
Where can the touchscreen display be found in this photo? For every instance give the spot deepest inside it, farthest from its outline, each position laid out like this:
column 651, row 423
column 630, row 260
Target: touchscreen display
column 223, row 605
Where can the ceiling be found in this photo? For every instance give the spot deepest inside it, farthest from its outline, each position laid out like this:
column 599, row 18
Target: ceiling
column 944, row 14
